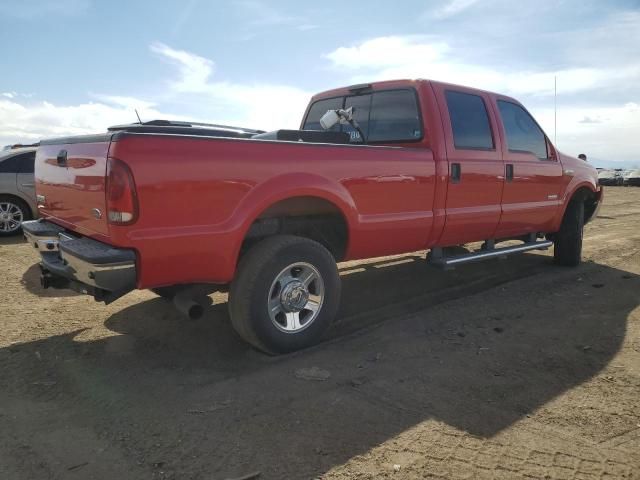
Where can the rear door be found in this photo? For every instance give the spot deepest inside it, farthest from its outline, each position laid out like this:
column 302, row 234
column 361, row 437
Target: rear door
column 533, row 174
column 71, row 177
column 475, row 165
column 25, row 181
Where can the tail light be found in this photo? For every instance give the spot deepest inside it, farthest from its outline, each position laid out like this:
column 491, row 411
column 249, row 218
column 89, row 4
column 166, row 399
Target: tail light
column 122, row 201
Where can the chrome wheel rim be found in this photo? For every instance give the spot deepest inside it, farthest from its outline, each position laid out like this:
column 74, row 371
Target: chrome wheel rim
column 11, row 217
column 295, row 297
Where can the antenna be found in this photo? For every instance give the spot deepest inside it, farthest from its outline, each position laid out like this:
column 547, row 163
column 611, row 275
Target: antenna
column 139, row 121
column 555, row 110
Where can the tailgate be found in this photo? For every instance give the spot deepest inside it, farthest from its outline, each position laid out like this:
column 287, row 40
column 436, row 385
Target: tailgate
column 70, row 183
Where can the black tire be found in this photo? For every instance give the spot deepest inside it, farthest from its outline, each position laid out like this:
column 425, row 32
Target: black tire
column 251, row 290
column 24, row 209
column 568, row 240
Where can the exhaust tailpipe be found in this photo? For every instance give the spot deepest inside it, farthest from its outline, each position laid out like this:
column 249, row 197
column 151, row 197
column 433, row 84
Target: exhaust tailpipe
column 186, row 305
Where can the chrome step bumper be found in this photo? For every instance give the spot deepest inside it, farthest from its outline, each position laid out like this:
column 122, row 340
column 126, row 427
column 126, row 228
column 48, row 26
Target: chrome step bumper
column 438, row 258
column 70, row 261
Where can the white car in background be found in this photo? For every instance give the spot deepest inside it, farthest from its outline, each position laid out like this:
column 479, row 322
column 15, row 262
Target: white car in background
column 632, row 177
column 610, row 177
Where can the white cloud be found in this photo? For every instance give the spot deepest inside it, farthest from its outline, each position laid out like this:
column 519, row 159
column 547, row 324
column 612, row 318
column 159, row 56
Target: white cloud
column 385, row 58
column 607, row 133
column 23, row 122
column 588, row 119
column 194, row 69
column 389, row 52
column 257, row 105
column 612, row 136
column 130, row 103
column 453, row 7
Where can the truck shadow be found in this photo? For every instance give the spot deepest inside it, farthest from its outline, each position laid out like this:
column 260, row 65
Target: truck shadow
column 477, row 368
column 12, row 240
column 31, row 281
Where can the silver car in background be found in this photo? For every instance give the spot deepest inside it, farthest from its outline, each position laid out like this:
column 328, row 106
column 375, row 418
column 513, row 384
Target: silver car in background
column 17, row 188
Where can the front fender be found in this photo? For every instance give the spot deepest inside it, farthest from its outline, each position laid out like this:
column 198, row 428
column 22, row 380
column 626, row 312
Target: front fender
column 574, row 185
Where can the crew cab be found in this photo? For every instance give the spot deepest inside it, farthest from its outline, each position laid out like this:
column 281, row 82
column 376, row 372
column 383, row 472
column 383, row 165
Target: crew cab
column 375, row 169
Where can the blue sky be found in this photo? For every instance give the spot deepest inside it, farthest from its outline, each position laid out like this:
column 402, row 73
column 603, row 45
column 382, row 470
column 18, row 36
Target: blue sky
column 77, row 66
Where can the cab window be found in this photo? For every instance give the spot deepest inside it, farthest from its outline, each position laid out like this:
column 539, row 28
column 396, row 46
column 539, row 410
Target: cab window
column 469, row 121
column 523, row 133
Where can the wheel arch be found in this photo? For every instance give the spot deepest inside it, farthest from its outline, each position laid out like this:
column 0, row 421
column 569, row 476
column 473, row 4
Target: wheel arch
column 588, row 192
column 304, row 195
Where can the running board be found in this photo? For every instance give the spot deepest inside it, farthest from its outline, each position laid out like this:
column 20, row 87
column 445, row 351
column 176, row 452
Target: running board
column 437, row 257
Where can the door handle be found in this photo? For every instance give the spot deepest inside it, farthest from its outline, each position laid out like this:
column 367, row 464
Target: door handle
column 509, row 172
column 62, row 158
column 456, row 173
column 27, row 184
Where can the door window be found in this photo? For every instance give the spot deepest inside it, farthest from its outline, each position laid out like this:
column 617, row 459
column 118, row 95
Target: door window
column 21, row 163
column 469, row 121
column 523, row 133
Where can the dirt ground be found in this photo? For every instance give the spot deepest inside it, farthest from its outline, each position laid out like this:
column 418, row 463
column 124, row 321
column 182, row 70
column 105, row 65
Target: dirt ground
column 502, row 369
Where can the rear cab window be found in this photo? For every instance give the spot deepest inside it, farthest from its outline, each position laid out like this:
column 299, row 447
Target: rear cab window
column 384, row 116
column 318, row 109
column 469, row 121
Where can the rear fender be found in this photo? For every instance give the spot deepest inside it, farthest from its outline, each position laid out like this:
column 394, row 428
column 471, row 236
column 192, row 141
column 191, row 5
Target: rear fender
column 288, row 186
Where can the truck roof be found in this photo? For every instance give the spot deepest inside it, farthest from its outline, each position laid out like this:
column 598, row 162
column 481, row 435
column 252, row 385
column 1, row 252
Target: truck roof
column 398, row 83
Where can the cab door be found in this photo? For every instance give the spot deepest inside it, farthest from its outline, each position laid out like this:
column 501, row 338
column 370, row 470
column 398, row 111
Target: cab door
column 476, row 169
column 533, row 173
column 25, row 179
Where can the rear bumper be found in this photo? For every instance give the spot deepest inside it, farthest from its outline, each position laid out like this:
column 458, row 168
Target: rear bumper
column 70, row 261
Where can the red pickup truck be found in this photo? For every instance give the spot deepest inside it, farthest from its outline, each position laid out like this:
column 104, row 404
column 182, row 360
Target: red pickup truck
column 183, row 208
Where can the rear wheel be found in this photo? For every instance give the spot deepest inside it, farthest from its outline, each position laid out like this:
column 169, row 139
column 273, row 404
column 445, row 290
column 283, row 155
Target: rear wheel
column 285, row 294
column 13, row 212
column 568, row 241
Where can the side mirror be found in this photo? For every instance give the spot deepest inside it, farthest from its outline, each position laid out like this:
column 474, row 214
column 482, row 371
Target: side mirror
column 329, row 119
column 582, row 156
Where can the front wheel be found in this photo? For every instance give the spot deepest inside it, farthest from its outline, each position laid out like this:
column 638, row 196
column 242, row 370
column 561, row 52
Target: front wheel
column 285, row 295
column 567, row 249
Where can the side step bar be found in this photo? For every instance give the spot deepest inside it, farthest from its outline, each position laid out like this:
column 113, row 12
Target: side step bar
column 437, row 257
